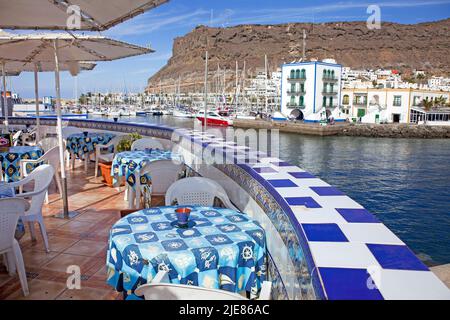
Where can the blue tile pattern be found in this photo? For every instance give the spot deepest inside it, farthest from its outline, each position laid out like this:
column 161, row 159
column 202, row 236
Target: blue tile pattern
column 329, row 232
column 327, row 191
column 357, row 215
column 396, row 257
column 302, row 201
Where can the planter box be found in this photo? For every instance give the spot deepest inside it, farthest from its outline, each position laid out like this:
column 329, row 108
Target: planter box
column 105, row 169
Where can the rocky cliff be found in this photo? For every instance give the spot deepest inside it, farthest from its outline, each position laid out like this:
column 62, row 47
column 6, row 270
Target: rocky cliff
column 405, row 47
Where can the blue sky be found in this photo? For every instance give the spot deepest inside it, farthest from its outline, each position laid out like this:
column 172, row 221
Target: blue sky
column 159, row 27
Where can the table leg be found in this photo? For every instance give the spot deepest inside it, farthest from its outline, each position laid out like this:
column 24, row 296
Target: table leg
column 86, row 160
column 130, row 198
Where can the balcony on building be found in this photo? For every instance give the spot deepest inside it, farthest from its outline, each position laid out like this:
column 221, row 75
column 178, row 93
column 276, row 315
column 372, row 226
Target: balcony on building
column 297, row 75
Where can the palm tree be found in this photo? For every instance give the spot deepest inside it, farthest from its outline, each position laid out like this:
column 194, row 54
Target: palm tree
column 427, row 104
column 440, row 102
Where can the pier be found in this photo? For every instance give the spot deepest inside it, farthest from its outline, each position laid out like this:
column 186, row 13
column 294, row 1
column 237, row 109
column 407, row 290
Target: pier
column 350, row 129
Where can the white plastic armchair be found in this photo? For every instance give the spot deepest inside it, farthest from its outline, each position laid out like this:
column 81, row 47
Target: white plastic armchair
column 161, row 289
column 146, row 143
column 197, row 191
column 106, row 157
column 48, row 143
column 12, row 208
column 163, row 174
column 42, row 177
column 51, row 157
column 16, row 138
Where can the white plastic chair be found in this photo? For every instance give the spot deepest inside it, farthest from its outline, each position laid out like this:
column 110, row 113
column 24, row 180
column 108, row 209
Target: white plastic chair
column 16, row 138
column 146, row 143
column 163, row 174
column 42, row 177
column 197, row 191
column 51, row 157
column 106, row 157
column 12, row 208
column 48, row 143
column 161, row 289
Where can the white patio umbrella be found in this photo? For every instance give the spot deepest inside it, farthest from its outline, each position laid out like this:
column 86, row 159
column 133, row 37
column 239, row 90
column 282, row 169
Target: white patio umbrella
column 16, row 67
column 95, row 15
column 64, row 48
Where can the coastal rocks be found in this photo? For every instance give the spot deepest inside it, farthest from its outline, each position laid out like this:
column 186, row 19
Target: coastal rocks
column 397, row 131
column 354, row 130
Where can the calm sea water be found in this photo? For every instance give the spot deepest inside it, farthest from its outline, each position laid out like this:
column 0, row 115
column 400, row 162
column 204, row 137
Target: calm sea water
column 405, row 182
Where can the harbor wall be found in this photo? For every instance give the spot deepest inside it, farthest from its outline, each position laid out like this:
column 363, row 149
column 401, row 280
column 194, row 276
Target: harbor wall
column 351, row 129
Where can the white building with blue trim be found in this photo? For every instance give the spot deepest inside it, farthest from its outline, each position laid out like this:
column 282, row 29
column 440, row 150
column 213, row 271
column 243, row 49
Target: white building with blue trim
column 311, row 90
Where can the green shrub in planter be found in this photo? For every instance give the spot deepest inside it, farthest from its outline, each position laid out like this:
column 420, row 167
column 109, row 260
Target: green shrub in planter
column 127, row 141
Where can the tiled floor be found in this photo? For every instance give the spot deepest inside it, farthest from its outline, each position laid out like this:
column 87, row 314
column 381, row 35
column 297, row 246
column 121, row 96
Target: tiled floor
column 81, row 241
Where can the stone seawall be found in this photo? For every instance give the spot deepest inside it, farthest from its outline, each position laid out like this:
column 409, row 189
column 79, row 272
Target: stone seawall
column 348, row 129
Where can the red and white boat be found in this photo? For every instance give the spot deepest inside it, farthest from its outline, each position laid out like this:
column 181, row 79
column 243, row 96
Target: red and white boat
column 214, row 119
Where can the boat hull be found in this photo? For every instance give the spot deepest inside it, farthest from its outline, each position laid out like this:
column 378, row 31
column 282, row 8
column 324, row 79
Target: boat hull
column 215, row 122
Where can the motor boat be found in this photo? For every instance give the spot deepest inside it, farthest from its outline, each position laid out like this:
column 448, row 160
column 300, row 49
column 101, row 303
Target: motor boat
column 214, row 119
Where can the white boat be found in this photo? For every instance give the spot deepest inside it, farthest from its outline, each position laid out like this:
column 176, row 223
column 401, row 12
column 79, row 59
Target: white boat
column 214, row 119
column 182, row 114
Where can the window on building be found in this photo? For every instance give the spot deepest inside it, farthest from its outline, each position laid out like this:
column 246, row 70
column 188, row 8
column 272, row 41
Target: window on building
column 346, row 99
column 331, row 87
column 324, row 101
column 302, row 87
column 324, row 74
column 329, row 74
column 292, row 74
column 332, row 74
column 301, row 101
column 397, row 101
column 325, row 87
column 331, row 101
column 297, row 74
column 303, row 74
column 292, row 87
column 292, row 100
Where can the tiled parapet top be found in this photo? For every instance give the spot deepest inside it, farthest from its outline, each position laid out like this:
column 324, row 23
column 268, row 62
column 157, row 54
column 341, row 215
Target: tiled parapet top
column 349, row 252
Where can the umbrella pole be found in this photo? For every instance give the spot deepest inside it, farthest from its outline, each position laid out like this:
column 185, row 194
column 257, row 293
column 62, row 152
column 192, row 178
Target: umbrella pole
column 5, row 99
column 36, row 95
column 65, row 214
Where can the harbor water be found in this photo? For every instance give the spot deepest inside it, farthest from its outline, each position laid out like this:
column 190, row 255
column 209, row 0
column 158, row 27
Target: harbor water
column 405, row 182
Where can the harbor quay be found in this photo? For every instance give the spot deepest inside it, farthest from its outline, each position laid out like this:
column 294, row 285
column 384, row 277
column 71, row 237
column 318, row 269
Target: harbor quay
column 350, row 129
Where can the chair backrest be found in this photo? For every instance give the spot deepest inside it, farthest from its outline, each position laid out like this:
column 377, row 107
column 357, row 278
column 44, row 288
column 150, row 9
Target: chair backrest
column 68, row 131
column 16, row 137
column 197, row 191
column 115, row 141
column 146, row 143
column 163, row 174
column 12, row 208
column 52, row 158
column 169, row 291
column 42, row 177
column 48, row 143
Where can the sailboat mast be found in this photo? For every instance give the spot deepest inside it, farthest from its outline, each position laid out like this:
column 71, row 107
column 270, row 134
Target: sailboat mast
column 237, row 83
column 206, row 93
column 265, row 83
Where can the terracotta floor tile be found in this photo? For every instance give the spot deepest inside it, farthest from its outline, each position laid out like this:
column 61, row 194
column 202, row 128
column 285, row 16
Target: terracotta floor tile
column 33, row 257
column 39, row 290
column 88, row 248
column 64, row 260
column 88, row 294
column 76, row 227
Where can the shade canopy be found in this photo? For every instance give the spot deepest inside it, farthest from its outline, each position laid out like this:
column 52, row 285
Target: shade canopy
column 15, row 67
column 96, row 15
column 71, row 47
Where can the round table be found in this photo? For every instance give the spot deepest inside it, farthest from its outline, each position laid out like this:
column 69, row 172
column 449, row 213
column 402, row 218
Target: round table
column 224, row 250
column 11, row 160
column 79, row 144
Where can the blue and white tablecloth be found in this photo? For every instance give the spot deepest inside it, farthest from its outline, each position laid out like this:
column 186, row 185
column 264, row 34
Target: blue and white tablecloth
column 224, row 250
column 79, row 144
column 11, row 160
column 129, row 163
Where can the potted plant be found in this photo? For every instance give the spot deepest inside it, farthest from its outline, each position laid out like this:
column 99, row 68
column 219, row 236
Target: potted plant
column 123, row 145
